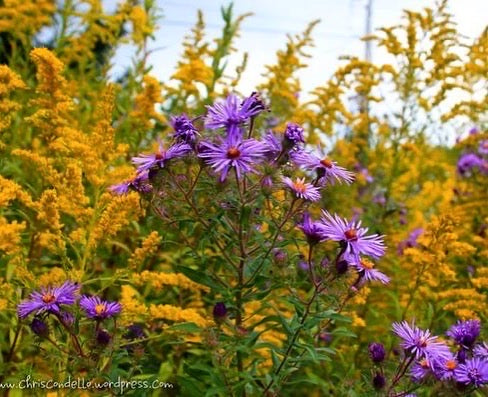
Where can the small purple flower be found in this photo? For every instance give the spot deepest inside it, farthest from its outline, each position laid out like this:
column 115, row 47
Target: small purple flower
column 145, row 162
column 294, row 135
column 312, row 230
column 49, row 300
column 483, row 147
column 39, row 327
column 230, row 114
column 184, row 129
column 379, row 381
column 273, row 146
column 420, row 343
column 444, row 369
column 134, row 331
column 102, row 337
column 353, row 236
column 327, row 170
column 253, row 105
column 473, row 372
column 465, row 333
column 233, row 152
column 376, row 352
column 409, row 242
column 481, row 351
column 140, row 183
column 467, row 162
column 367, row 272
column 219, row 311
column 302, row 189
column 98, row 309
column 420, row 370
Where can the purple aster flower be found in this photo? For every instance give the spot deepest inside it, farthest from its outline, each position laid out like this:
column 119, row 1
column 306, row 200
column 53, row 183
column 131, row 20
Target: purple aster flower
column 145, row 162
column 481, row 351
column 444, row 368
column 474, row 131
column 420, row 343
column 465, row 332
column 420, row 370
column 134, row 331
column 376, row 352
column 312, row 230
column 273, row 146
column 473, row 372
column 467, row 162
column 294, row 135
column 353, row 236
column 233, row 152
column 140, row 183
column 184, row 129
column 410, row 241
column 483, row 147
column 327, row 170
column 230, row 114
column 302, row 189
column 49, row 300
column 367, row 272
column 253, row 105
column 97, row 309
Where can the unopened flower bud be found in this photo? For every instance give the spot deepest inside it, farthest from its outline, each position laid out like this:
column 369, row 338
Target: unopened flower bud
column 103, row 337
column 39, row 327
column 376, row 352
column 379, row 381
column 219, row 312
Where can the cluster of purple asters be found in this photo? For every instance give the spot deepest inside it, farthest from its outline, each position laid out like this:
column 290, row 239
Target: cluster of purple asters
column 470, row 162
column 462, row 362
column 354, row 241
column 233, row 150
column 55, row 300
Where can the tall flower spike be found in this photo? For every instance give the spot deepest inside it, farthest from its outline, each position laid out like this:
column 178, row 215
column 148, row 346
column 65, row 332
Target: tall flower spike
column 233, row 152
column 145, row 162
column 353, row 236
column 302, row 189
column 49, row 300
column 327, row 170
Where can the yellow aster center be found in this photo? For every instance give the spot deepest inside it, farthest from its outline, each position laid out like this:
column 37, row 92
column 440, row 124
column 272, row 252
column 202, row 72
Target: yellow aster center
column 233, row 153
column 100, row 309
column 424, row 363
column 351, row 234
column 451, row 364
column 299, row 186
column 367, row 264
column 48, row 298
column 326, row 163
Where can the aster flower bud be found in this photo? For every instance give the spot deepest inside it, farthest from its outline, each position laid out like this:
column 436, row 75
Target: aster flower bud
column 379, row 381
column 103, row 337
column 376, row 352
column 294, row 135
column 39, row 327
column 279, row 256
column 341, row 266
column 219, row 312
